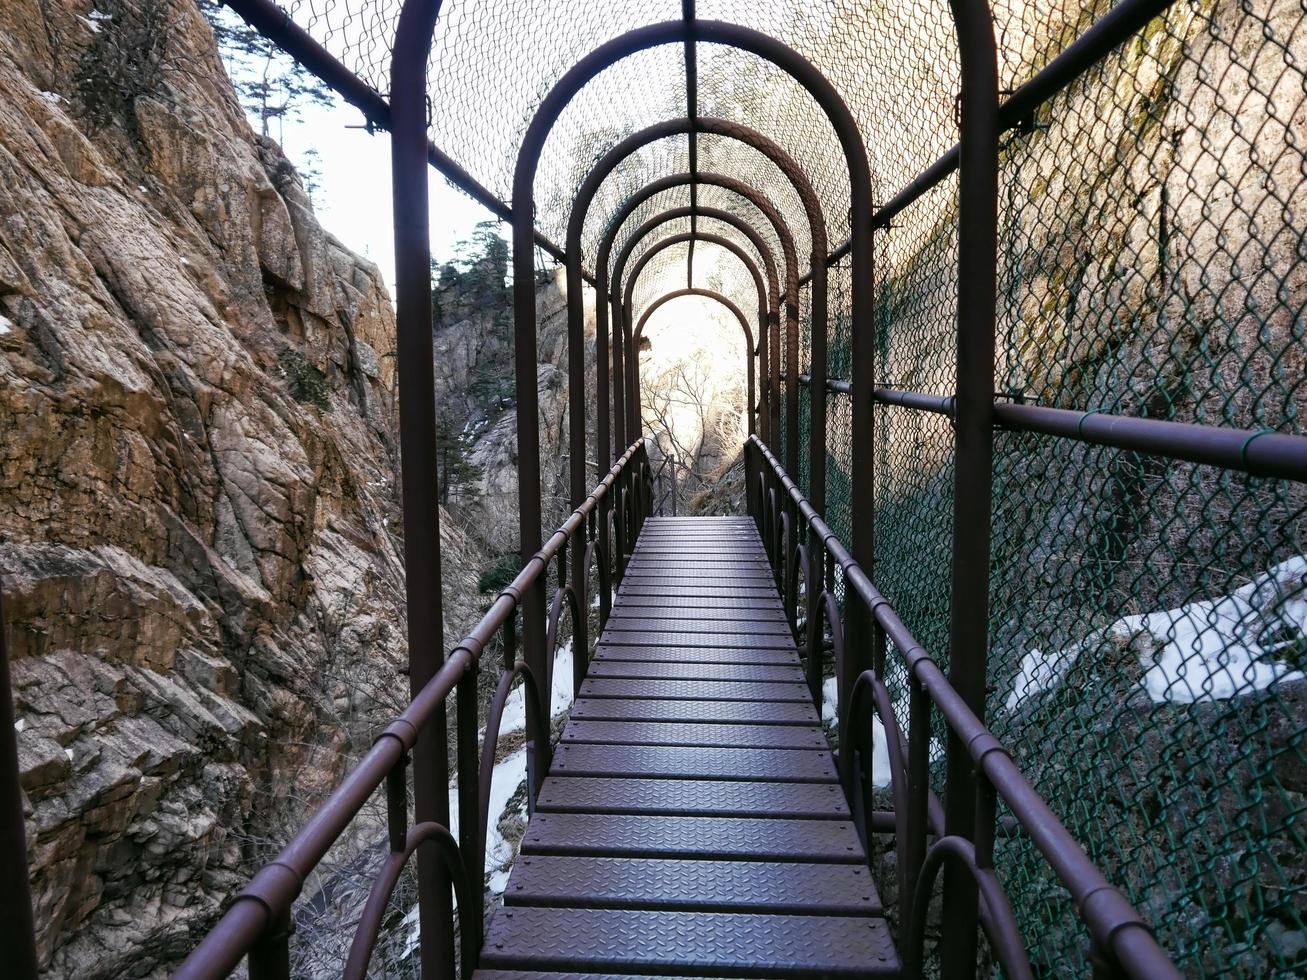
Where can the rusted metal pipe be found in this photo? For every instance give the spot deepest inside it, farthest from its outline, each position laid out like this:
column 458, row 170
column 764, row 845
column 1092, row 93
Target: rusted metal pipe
column 1259, row 452
column 973, row 458
column 417, row 433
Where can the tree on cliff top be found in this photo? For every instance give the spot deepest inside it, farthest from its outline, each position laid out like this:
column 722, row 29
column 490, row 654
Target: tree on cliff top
column 270, row 85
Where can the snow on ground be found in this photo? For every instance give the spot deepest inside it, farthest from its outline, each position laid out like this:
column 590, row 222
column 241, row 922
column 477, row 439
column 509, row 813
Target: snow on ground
column 514, row 717
column 880, row 765
column 1208, row 650
column 508, row 776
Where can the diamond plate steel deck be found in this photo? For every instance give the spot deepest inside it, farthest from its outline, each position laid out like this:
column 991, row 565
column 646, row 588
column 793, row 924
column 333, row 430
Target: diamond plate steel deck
column 679, row 762
column 692, row 798
column 683, row 638
column 708, row 838
column 634, row 599
column 697, row 886
column 603, row 687
column 725, row 712
column 707, row 627
column 727, row 736
column 689, row 655
column 692, row 820
column 667, row 670
column 631, row 609
column 696, row 942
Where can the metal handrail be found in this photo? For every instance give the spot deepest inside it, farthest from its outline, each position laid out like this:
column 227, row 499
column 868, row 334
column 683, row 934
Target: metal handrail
column 1119, row 933
column 1259, row 452
column 257, row 922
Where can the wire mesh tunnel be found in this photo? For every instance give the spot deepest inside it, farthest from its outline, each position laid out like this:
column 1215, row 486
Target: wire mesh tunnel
column 1053, row 536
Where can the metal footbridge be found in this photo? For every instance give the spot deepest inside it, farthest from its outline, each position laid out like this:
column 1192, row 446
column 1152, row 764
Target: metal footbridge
column 995, row 667
column 692, row 820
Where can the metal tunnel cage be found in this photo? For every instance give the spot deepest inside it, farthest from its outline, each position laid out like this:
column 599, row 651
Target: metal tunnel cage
column 1033, row 271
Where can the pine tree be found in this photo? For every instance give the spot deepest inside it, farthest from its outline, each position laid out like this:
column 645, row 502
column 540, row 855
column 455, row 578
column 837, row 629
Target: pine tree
column 270, row 85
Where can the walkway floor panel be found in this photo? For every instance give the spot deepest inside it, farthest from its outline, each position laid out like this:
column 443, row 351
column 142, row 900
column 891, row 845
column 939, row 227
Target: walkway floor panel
column 642, row 599
column 669, row 762
column 694, row 886
column 657, row 733
column 696, row 671
column 752, row 838
column 709, row 637
column 692, row 822
column 693, row 798
column 727, row 712
column 742, row 655
column 604, row 687
column 727, row 612
column 716, row 942
column 719, row 627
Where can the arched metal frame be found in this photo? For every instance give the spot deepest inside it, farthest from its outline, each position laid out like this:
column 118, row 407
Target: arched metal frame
column 623, row 421
column 580, row 206
column 818, row 334
column 768, row 371
column 766, row 297
column 632, row 390
column 712, row 294
column 691, row 31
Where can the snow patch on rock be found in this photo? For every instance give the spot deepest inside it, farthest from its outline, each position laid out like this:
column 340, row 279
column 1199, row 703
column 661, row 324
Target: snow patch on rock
column 1208, row 650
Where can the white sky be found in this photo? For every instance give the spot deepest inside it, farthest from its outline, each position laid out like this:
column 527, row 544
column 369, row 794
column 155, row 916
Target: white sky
column 353, row 199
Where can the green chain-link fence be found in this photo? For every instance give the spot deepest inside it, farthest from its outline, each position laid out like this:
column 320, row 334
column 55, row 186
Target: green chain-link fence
column 1148, row 617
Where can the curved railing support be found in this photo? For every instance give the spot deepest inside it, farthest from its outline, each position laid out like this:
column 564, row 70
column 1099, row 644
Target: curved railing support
column 1004, row 936
column 564, row 598
column 374, row 910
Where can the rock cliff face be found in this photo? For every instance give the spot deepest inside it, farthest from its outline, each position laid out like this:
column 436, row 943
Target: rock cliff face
column 198, row 497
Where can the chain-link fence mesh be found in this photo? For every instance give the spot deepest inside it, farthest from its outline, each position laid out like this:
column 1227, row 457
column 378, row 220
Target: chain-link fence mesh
column 1148, row 616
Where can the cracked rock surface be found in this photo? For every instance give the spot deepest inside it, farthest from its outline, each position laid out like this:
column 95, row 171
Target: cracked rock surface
column 202, row 581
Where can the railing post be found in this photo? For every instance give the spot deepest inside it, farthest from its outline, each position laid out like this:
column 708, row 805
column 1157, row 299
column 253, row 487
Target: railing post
column 912, row 852
column 973, row 465
column 417, row 428
column 270, row 957
column 470, row 844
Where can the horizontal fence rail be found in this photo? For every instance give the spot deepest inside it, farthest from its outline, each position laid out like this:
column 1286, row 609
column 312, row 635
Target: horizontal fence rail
column 1259, row 452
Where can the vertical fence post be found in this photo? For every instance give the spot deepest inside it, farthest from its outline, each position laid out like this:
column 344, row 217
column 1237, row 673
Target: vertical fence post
column 973, row 465
column 16, row 923
column 417, row 425
column 269, row 958
column 576, row 411
column 470, row 844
